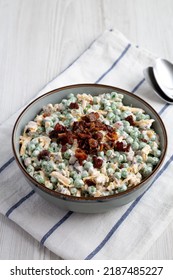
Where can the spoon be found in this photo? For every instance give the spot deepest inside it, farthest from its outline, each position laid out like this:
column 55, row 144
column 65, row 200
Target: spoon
column 150, row 78
column 163, row 72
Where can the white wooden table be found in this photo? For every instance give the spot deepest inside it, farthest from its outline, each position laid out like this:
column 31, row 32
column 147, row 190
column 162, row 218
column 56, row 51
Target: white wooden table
column 38, row 39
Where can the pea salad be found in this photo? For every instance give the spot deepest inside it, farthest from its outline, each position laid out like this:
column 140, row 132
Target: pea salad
column 90, row 146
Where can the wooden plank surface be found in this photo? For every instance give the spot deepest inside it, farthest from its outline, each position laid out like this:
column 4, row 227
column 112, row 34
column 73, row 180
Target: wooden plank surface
column 39, row 39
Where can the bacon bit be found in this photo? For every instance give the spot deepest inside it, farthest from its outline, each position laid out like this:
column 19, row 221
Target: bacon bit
column 93, row 143
column 80, row 155
column 88, row 135
column 44, row 154
column 97, row 162
column 74, row 105
column 113, row 136
column 130, row 120
column 98, row 136
column 53, row 134
column 109, row 128
column 101, row 146
column 46, row 115
column 91, row 117
column 65, row 138
column 120, row 147
column 84, row 135
column 60, row 128
column 89, row 182
column 107, row 146
column 64, row 148
column 144, row 140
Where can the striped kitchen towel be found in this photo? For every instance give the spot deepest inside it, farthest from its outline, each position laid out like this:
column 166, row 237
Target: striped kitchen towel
column 126, row 232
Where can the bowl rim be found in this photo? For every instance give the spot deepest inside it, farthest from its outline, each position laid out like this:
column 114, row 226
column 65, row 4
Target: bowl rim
column 88, row 199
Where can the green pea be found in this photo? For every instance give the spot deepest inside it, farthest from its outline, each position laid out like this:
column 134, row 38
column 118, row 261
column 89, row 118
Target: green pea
column 40, row 129
column 78, row 183
column 39, row 178
column 153, row 138
column 135, row 145
column 96, row 107
column 124, row 173
column 95, row 100
column 117, row 112
column 34, row 141
column 67, row 154
column 73, row 191
column 101, row 154
column 71, row 181
column 31, row 146
column 125, row 165
column 114, row 94
column 139, row 116
column 53, row 180
column 47, row 166
column 35, row 153
column 142, row 145
column 61, row 166
column 116, row 118
column 109, row 153
column 70, row 95
column 54, row 146
column 92, row 189
column 110, row 115
column 105, row 193
column 124, row 115
column 122, row 188
column 64, row 101
column 88, row 165
column 113, row 106
column 107, row 108
column 129, row 140
column 134, row 134
column 117, row 154
column 152, row 160
column 84, row 174
column 117, row 175
column 146, row 171
column 73, row 174
column 147, row 117
column 126, row 123
column 30, row 169
column 106, row 122
column 128, row 129
column 121, row 96
column 139, row 159
column 157, row 153
column 110, row 171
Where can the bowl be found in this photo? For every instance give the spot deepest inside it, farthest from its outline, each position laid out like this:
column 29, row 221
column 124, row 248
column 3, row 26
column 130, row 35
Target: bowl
column 87, row 204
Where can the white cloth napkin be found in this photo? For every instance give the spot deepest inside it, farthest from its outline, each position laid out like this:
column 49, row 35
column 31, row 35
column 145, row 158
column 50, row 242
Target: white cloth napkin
column 123, row 233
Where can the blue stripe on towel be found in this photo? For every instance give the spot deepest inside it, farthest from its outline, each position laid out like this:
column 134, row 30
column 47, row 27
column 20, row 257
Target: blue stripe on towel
column 6, row 164
column 138, row 85
column 163, row 109
column 19, row 203
column 126, row 214
column 67, row 215
column 114, row 64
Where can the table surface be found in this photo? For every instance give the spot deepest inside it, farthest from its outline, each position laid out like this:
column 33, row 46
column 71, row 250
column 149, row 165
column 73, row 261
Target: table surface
column 40, row 38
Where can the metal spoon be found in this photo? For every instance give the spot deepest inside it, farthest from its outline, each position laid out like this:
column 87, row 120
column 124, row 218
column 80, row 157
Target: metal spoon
column 163, row 72
column 150, row 78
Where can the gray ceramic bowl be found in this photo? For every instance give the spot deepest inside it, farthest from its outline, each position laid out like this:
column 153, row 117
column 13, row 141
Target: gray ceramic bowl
column 81, row 204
